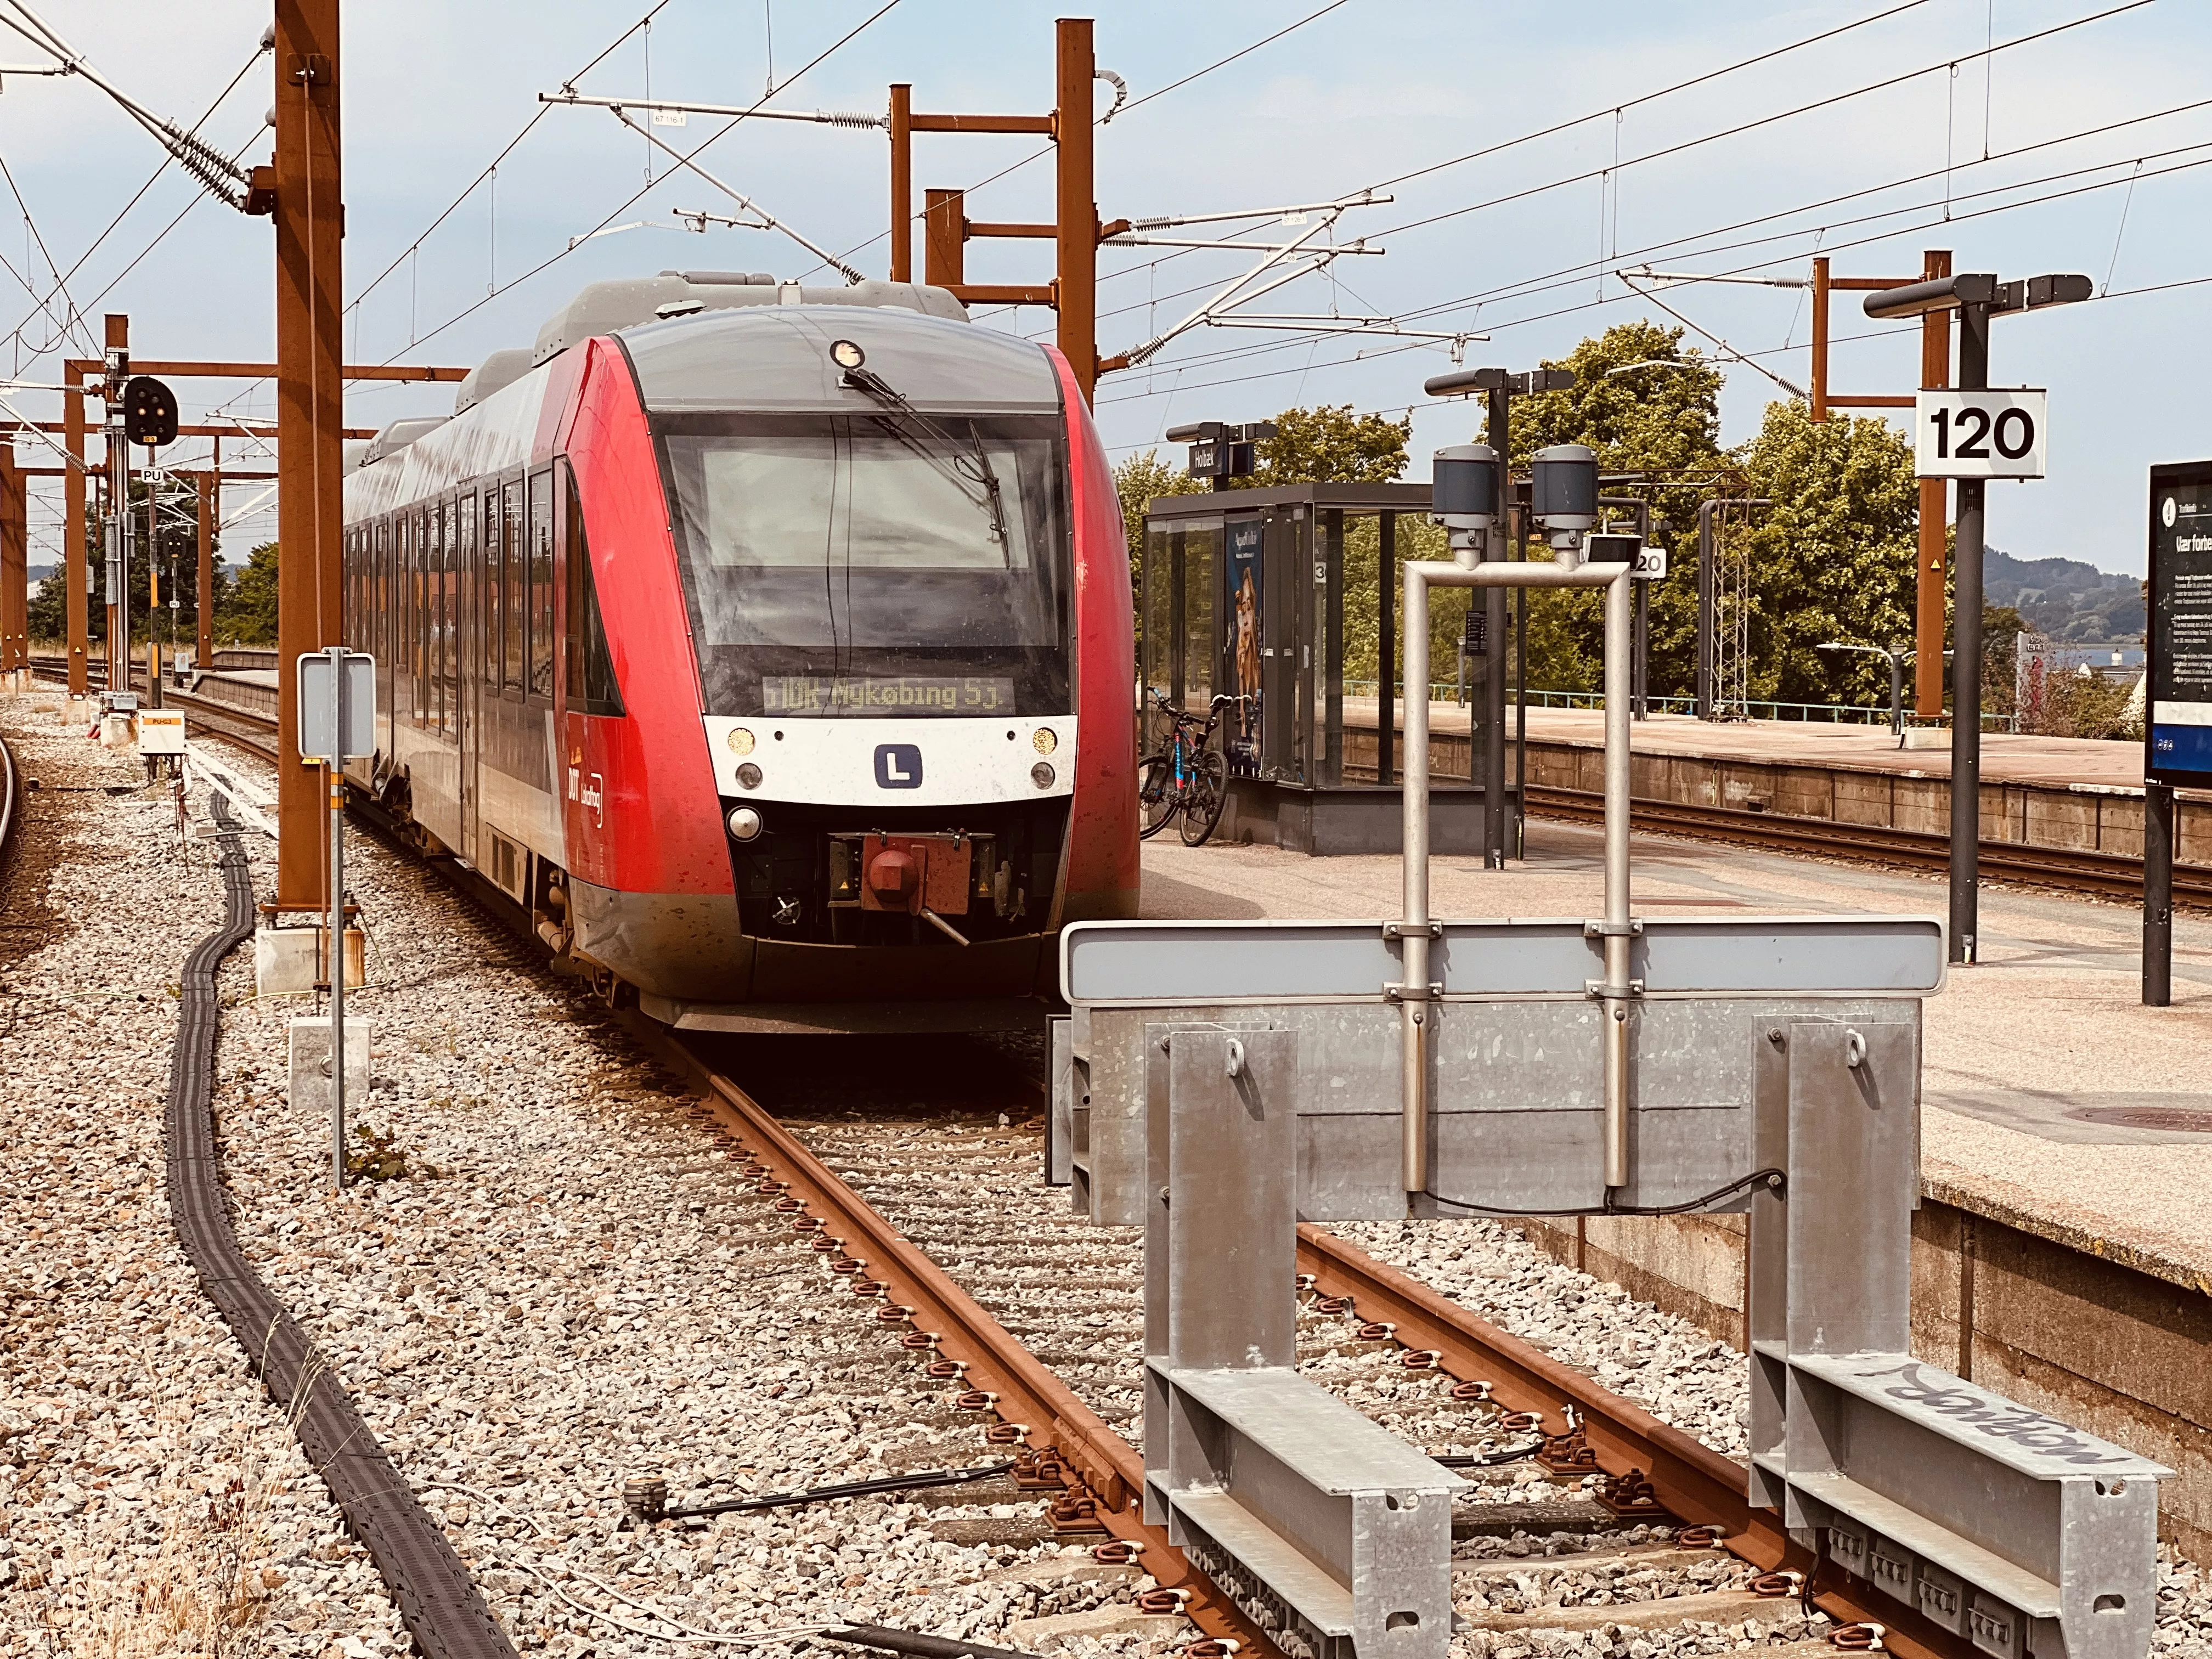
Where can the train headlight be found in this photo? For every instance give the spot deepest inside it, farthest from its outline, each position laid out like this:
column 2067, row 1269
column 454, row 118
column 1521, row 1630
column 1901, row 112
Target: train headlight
column 740, row 741
column 749, row 776
column 1044, row 739
column 745, row 823
column 1041, row 775
column 846, row 353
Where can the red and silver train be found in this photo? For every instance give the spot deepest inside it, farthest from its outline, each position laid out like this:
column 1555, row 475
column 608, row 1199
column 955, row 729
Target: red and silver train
column 771, row 645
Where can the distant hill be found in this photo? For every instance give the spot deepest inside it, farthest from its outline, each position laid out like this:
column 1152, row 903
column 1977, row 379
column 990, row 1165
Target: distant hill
column 2064, row 598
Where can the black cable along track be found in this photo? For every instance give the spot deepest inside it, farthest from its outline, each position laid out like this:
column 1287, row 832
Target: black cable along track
column 428, row 1583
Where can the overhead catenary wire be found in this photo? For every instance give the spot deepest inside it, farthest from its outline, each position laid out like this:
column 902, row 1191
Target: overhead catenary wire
column 1569, row 277
column 1556, row 127
column 1599, row 265
column 217, row 174
column 1119, row 108
column 16, row 336
column 631, row 200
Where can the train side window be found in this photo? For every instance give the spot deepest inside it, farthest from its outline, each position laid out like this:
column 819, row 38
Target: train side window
column 591, row 674
column 386, row 621
column 541, row 584
column 403, row 616
column 442, row 633
column 488, row 608
column 511, row 586
column 468, row 590
column 419, row 608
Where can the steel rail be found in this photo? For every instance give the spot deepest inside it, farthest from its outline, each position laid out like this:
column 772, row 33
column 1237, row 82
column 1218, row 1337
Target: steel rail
column 1692, row 1481
column 2109, row 874
column 1021, row 1391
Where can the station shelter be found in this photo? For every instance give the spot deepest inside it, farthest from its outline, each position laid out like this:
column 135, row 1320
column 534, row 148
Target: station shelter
column 1288, row 597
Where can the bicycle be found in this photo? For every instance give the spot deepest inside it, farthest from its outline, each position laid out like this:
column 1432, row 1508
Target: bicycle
column 1190, row 778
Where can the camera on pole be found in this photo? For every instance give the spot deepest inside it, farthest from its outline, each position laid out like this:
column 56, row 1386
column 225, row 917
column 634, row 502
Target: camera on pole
column 1221, row 451
column 1463, row 494
column 150, row 412
column 1563, row 496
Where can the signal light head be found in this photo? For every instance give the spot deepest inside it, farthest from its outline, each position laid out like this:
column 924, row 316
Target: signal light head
column 847, row 353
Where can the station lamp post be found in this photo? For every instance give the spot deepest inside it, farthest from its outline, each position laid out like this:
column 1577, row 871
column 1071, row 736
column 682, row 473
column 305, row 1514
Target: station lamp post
column 1499, row 387
column 1976, row 297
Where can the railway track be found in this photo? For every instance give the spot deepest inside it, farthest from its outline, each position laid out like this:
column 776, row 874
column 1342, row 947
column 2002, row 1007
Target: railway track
column 247, row 729
column 1384, row 1325
column 1051, row 1372
column 2110, row 875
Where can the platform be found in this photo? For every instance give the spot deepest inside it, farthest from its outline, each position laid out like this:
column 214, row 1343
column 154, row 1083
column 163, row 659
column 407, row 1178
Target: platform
column 2073, row 794
column 2046, row 1078
column 2062, row 1248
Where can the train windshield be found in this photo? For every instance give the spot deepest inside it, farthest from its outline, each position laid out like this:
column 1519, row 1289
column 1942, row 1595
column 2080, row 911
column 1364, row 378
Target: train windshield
column 874, row 565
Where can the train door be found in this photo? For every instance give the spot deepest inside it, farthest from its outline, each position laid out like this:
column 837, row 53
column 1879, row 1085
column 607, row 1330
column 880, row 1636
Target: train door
column 468, row 668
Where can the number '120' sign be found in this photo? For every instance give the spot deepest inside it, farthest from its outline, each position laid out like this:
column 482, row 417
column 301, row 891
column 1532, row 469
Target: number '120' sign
column 1980, row 434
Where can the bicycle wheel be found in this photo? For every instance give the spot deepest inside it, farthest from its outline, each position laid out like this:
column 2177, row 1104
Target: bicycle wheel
column 1157, row 797
column 1205, row 796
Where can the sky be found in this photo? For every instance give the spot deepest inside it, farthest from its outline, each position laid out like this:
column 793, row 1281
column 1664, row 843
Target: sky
column 2025, row 135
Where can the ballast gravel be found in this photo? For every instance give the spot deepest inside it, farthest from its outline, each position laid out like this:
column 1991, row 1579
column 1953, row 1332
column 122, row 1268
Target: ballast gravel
column 152, row 1499
column 565, row 1283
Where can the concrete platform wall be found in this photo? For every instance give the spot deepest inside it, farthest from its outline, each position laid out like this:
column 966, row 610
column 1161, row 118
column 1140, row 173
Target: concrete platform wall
column 2078, row 818
column 2117, row 1351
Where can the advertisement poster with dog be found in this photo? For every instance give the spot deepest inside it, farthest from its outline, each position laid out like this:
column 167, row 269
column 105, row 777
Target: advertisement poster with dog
column 1246, row 610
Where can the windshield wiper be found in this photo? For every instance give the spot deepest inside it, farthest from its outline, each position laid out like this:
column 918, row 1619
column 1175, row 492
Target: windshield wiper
column 983, row 475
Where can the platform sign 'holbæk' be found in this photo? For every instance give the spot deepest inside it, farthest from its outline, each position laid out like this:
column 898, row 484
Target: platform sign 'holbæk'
column 2178, row 733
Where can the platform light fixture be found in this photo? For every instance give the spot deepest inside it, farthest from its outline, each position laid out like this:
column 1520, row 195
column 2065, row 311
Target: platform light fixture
column 1499, row 387
column 1563, row 496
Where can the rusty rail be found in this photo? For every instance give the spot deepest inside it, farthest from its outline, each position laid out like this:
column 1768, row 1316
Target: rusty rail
column 1020, row 1390
column 2114, row 875
column 1692, row 1480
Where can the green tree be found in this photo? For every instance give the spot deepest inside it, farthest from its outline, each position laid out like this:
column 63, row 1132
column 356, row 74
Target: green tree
column 1329, row 445
column 1645, row 403
column 247, row 615
column 1832, row 559
column 176, row 560
column 1139, row 480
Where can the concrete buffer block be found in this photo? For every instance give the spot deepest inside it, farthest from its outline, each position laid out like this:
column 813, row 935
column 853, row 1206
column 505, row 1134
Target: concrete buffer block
column 288, row 962
column 309, row 1089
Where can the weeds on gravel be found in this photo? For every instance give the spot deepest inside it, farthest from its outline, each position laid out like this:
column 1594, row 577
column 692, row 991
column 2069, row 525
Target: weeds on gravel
column 377, row 1156
column 204, row 1591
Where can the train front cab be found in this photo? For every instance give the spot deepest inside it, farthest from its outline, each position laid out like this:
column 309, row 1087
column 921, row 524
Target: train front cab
column 915, row 757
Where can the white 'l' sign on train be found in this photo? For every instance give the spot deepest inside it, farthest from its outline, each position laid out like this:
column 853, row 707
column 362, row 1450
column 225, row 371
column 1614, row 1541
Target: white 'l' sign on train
column 1980, row 434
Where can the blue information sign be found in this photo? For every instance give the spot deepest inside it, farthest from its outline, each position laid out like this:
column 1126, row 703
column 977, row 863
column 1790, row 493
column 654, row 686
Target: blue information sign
column 2178, row 727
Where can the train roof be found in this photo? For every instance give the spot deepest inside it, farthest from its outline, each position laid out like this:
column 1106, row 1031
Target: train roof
column 631, row 302
column 771, row 358
column 776, row 358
